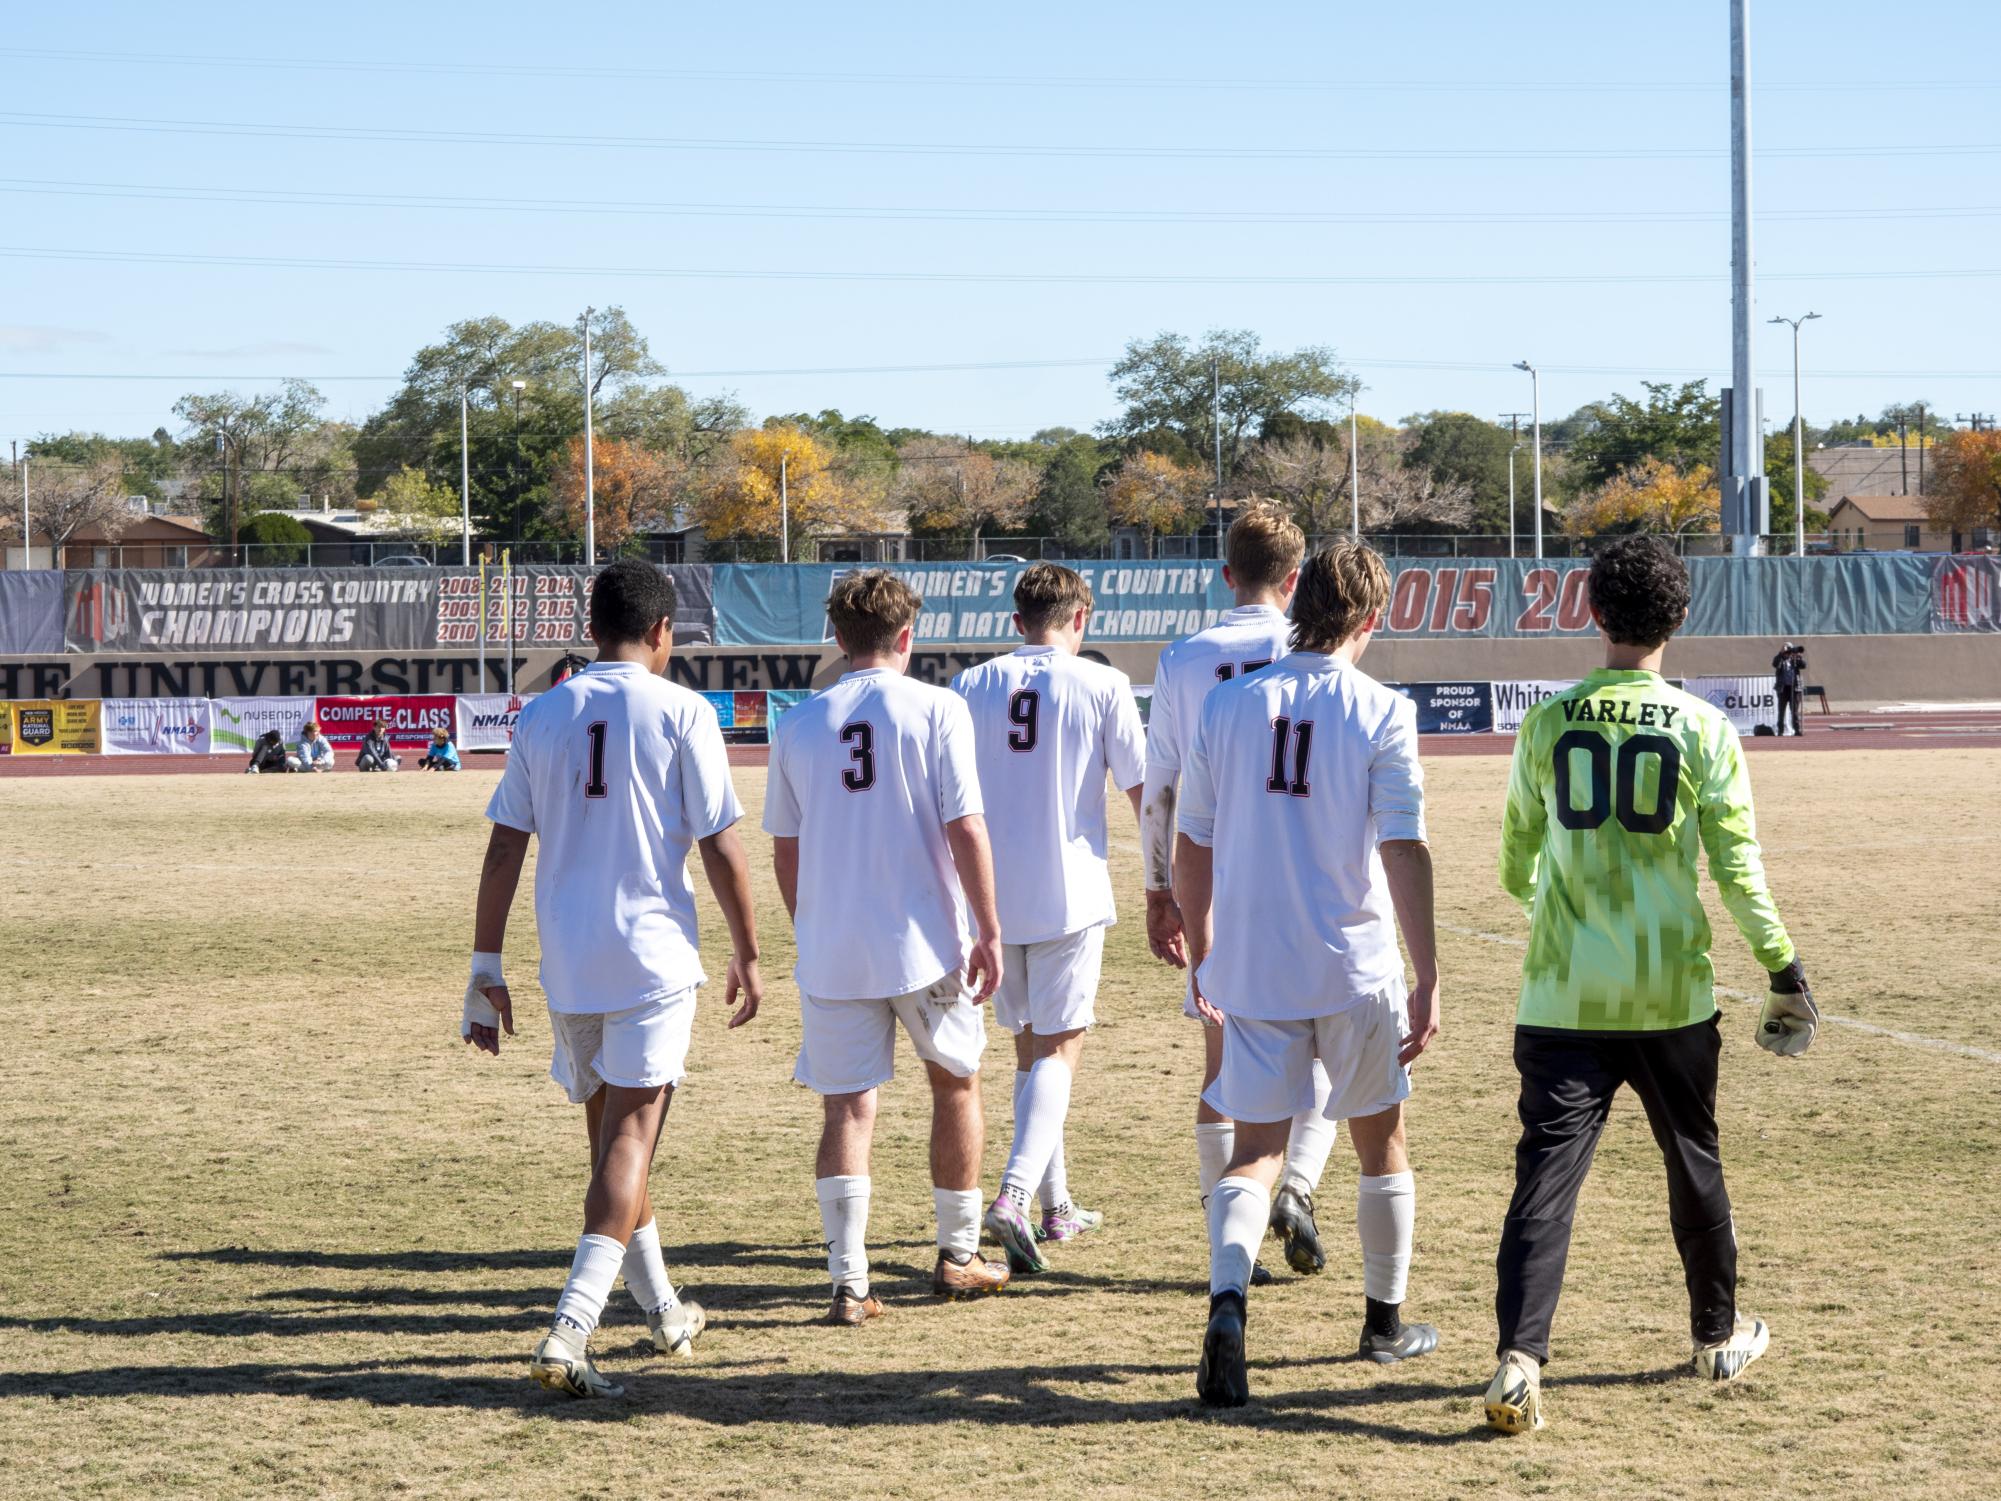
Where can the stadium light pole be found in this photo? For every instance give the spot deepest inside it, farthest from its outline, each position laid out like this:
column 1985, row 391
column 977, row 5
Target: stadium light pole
column 590, row 472
column 1216, row 426
column 1535, row 422
column 514, row 479
column 1354, row 469
column 784, row 507
column 465, row 489
column 1517, row 448
column 1799, row 441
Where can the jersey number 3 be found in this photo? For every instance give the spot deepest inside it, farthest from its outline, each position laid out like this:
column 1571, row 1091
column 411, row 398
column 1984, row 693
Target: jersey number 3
column 1599, row 751
column 859, row 738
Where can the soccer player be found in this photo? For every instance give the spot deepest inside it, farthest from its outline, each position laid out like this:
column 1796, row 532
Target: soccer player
column 1617, row 784
column 1048, row 726
column 1264, row 549
column 1301, row 854
column 873, row 806
column 617, row 772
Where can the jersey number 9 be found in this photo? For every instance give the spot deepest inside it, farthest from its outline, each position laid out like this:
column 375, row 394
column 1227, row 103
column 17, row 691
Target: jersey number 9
column 1599, row 752
column 1024, row 712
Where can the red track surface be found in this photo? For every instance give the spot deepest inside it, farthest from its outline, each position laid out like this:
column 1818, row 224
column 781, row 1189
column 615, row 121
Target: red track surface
column 1948, row 729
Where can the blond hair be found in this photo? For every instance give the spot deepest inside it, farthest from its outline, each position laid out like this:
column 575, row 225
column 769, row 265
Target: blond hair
column 869, row 609
column 1048, row 594
column 1342, row 588
column 1263, row 545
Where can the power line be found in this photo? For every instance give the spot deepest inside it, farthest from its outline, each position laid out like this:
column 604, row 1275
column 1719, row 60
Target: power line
column 1004, row 278
column 514, row 139
column 287, row 197
column 1093, row 82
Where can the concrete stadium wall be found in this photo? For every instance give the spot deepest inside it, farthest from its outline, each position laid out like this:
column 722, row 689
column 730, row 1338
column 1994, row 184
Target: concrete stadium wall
column 1854, row 669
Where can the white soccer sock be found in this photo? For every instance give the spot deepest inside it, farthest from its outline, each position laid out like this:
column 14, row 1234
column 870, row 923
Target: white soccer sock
column 958, row 1211
column 1214, row 1142
column 1310, row 1140
column 844, row 1222
column 592, row 1272
column 646, row 1270
column 1038, row 1128
column 1055, row 1191
column 1239, row 1211
column 1385, row 1210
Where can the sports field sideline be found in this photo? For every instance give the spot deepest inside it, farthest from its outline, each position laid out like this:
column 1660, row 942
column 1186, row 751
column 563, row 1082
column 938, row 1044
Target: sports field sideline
column 271, row 1230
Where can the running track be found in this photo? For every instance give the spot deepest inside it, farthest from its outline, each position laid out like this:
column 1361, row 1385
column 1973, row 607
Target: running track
column 1942, row 729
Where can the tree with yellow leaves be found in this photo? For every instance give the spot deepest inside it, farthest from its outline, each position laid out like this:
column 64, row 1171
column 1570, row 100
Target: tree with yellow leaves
column 630, row 488
column 1151, row 491
column 1653, row 495
column 947, row 485
column 740, row 495
column 418, row 507
column 1965, row 490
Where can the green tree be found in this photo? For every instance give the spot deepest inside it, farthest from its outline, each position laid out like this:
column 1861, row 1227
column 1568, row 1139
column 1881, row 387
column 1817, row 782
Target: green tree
column 417, row 507
column 1459, row 446
column 1676, row 424
column 250, row 448
column 145, row 464
column 1167, row 384
column 280, row 542
column 1070, row 502
column 1779, row 485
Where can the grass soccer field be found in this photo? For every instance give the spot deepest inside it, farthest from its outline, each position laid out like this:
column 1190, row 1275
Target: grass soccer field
column 266, row 1228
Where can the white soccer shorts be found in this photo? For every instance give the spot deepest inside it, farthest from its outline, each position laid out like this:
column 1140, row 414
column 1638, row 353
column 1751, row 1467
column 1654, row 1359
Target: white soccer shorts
column 643, row 1047
column 846, row 1047
column 1051, row 986
column 1267, row 1072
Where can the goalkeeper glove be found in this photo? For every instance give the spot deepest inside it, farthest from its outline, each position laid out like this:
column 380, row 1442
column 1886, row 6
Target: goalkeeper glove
column 478, row 1010
column 1790, row 1018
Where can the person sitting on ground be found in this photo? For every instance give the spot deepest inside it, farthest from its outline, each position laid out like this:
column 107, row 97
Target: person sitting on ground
column 443, row 755
column 376, row 754
column 315, row 750
column 270, row 754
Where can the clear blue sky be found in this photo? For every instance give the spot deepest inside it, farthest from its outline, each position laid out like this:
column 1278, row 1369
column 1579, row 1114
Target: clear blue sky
column 1880, row 151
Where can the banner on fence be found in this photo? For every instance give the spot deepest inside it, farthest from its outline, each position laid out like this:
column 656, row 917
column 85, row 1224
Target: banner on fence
column 1450, row 708
column 55, row 726
column 235, row 724
column 156, row 726
column 410, row 716
column 31, row 612
column 1749, row 702
column 1514, row 699
column 487, row 720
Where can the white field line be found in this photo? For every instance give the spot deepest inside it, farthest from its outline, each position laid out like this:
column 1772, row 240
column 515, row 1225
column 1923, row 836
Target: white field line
column 1854, row 1024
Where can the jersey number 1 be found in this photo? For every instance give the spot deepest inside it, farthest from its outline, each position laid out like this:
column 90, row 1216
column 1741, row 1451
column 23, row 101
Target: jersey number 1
column 1291, row 748
column 595, row 787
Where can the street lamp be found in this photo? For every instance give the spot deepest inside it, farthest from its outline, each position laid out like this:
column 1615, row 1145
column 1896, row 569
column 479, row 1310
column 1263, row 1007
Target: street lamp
column 1799, row 441
column 465, row 487
column 519, row 387
column 1354, row 467
column 1535, row 413
column 1517, row 448
column 590, row 473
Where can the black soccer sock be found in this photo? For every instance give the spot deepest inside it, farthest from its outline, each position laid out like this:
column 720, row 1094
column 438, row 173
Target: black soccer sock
column 1384, row 1319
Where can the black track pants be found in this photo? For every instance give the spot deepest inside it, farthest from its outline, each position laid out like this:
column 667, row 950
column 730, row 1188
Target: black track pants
column 1790, row 698
column 1568, row 1080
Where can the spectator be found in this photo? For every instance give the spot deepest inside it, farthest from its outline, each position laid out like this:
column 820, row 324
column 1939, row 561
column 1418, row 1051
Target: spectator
column 442, row 756
column 270, row 754
column 315, row 750
column 376, row 754
column 1789, row 678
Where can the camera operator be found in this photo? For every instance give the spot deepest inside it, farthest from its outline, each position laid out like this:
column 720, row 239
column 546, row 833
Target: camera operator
column 1789, row 678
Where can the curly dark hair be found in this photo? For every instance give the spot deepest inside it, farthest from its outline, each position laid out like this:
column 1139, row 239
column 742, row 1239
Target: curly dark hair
column 1640, row 590
column 628, row 599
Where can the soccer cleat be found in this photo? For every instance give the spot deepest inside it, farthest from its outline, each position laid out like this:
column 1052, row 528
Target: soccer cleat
column 1009, row 1226
column 974, row 1277
column 1725, row 1360
column 676, row 1327
column 1514, row 1396
column 1292, row 1223
column 1220, row 1380
column 853, row 1309
column 1067, row 1223
column 563, row 1364
column 1260, row 1274
column 1409, row 1342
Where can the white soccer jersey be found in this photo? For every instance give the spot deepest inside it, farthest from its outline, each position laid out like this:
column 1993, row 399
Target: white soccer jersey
column 1296, row 774
column 1048, row 726
column 1245, row 639
column 866, row 775
column 617, row 773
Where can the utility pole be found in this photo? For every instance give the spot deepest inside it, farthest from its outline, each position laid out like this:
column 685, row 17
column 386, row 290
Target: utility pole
column 1216, row 423
column 1514, row 421
column 590, row 473
column 1799, row 442
column 1535, row 419
column 1975, row 421
column 1744, row 512
column 1921, row 448
column 1354, row 466
column 1903, row 455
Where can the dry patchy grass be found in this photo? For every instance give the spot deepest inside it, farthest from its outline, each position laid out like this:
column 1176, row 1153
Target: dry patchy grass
column 267, row 1229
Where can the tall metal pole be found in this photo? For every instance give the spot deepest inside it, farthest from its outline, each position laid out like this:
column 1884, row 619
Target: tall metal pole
column 465, row 499
column 1216, row 423
column 1799, row 442
column 1921, row 448
column 27, row 537
column 1354, row 470
column 1511, row 497
column 1747, row 461
column 590, row 470
column 784, row 509
column 1535, row 420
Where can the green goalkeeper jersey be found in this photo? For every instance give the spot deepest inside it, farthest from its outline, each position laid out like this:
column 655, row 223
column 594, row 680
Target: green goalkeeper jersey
column 1615, row 783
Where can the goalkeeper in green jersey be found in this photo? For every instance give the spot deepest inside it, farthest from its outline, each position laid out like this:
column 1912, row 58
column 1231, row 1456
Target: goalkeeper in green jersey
column 1617, row 784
